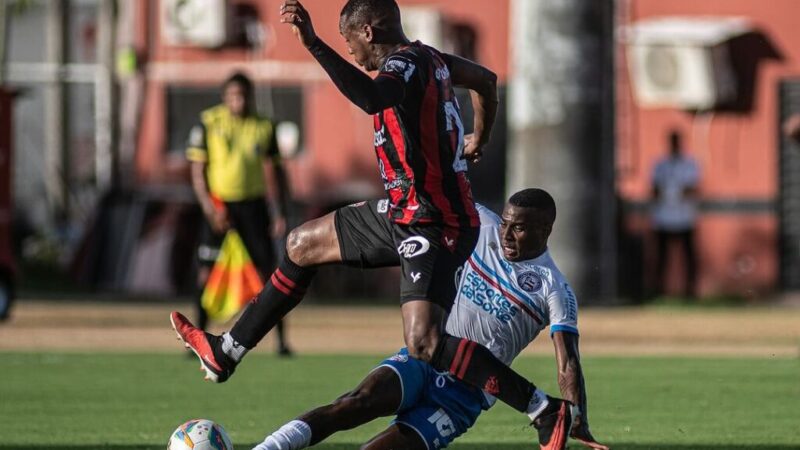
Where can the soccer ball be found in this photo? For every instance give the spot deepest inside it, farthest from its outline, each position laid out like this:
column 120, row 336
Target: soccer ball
column 199, row 434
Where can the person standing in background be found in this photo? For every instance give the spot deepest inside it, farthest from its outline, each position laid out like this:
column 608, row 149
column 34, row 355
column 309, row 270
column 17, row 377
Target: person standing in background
column 237, row 176
column 674, row 182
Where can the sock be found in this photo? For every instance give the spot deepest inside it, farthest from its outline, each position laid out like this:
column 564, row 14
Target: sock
column 284, row 290
column 537, row 404
column 292, row 436
column 475, row 365
column 233, row 349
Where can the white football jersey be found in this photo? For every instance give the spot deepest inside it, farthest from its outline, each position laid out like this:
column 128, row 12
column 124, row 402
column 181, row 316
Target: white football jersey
column 503, row 305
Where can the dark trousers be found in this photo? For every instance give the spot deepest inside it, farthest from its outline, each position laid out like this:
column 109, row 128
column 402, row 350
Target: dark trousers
column 250, row 218
column 685, row 239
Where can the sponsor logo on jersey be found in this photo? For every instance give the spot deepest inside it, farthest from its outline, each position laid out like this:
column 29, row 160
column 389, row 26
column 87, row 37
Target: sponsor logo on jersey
column 397, row 183
column 459, row 272
column 356, row 205
column 383, row 206
column 413, row 246
column 489, row 299
column 529, row 281
column 492, row 386
column 415, row 276
column 399, row 358
column 442, row 73
column 379, row 137
column 409, row 71
column 506, row 265
column 400, row 67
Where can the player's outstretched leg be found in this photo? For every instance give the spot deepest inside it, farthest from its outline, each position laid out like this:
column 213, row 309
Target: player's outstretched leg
column 469, row 361
column 307, row 246
column 554, row 424
column 378, row 395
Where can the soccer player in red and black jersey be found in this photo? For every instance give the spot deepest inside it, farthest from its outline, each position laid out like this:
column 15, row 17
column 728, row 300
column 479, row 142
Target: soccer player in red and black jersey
column 428, row 224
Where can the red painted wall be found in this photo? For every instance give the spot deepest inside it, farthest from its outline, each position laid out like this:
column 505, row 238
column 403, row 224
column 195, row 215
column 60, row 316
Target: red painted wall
column 738, row 152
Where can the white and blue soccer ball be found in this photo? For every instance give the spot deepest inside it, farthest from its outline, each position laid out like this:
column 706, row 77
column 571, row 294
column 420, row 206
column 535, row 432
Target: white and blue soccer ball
column 199, row 434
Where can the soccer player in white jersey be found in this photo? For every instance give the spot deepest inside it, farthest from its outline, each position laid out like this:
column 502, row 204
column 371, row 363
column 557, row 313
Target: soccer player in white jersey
column 508, row 292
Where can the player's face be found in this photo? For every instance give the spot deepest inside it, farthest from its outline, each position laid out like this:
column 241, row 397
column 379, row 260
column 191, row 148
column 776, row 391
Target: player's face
column 235, row 99
column 522, row 235
column 357, row 45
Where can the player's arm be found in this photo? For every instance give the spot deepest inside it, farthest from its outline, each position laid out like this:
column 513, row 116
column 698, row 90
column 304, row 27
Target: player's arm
column 370, row 95
column 277, row 185
column 197, row 154
column 571, row 384
column 482, row 84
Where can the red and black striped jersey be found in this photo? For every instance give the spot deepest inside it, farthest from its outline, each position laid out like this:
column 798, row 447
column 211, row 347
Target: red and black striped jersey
column 419, row 143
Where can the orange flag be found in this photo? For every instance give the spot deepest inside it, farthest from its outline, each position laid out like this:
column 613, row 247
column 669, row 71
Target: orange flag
column 233, row 281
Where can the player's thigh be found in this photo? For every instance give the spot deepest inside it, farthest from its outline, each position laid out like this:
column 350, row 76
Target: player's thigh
column 365, row 235
column 397, row 436
column 378, row 395
column 423, row 324
column 430, row 257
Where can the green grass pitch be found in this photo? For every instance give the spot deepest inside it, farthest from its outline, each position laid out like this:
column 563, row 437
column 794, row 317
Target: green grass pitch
column 64, row 401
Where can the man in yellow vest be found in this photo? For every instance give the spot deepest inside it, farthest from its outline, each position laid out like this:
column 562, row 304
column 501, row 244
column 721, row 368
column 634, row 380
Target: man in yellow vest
column 237, row 175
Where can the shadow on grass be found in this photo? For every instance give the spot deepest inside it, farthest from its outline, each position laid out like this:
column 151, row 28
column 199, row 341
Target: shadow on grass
column 470, row 446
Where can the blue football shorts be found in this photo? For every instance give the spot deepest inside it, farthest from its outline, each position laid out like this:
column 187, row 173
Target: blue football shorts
column 434, row 404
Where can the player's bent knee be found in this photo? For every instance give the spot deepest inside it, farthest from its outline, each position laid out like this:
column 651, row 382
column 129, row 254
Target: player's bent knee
column 298, row 244
column 421, row 347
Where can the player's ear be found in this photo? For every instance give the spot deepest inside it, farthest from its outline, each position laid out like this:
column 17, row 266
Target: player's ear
column 369, row 33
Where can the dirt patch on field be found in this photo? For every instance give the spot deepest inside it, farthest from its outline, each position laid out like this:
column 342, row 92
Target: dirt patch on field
column 94, row 326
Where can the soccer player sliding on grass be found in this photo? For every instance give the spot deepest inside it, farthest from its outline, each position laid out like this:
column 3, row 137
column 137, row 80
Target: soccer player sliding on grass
column 508, row 291
column 428, row 225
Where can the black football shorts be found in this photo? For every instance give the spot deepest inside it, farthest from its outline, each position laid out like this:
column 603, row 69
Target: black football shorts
column 428, row 255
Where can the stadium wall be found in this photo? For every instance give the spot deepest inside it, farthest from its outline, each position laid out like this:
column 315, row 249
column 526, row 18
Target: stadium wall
column 738, row 149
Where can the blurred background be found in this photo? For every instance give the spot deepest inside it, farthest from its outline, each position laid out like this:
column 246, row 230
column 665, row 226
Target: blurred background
column 97, row 98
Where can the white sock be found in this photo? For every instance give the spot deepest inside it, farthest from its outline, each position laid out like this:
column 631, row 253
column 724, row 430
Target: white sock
column 292, row 436
column 232, row 348
column 537, row 404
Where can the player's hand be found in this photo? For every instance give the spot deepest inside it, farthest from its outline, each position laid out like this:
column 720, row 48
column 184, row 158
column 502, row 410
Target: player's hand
column 580, row 432
column 293, row 13
column 218, row 219
column 473, row 149
column 278, row 227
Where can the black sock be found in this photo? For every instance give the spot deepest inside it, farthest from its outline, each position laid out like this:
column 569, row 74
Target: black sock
column 474, row 364
column 282, row 292
column 202, row 315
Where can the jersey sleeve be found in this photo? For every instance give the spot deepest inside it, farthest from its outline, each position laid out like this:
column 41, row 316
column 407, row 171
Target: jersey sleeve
column 487, row 216
column 196, row 147
column 563, row 308
column 400, row 70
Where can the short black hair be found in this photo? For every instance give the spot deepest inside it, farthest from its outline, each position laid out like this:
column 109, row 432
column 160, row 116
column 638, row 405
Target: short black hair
column 537, row 199
column 242, row 80
column 378, row 13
